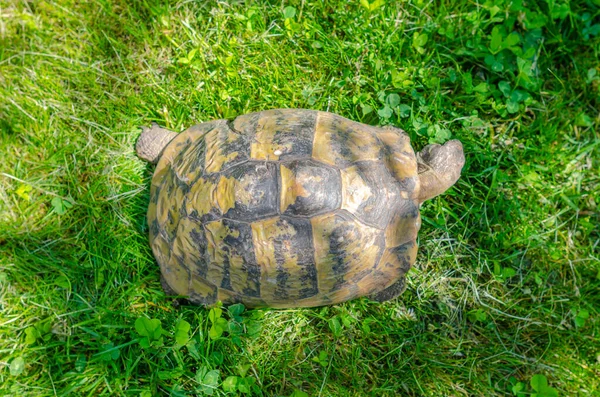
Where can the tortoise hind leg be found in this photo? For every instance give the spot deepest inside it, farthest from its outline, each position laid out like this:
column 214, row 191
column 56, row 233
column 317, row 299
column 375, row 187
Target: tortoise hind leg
column 391, row 292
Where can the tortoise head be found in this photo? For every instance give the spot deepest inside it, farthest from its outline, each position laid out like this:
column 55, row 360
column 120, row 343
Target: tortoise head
column 152, row 142
column 439, row 168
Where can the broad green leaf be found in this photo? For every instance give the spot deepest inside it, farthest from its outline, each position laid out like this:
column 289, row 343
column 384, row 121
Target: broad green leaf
column 31, row 335
column 438, row 134
column 182, row 330
column 504, row 87
column 372, row 6
column 60, row 206
column 519, row 386
column 230, row 384
column 560, row 11
column 173, row 374
column 393, row 100
column 497, row 66
column 217, row 329
column 534, row 20
column 236, row 310
column 235, row 328
column 538, row 382
column 481, row 88
column 63, row 282
column 80, row 363
column 477, row 315
column 243, row 369
column 508, row 272
column 17, row 366
column 385, row 112
column 512, row 40
column 209, row 380
column 289, row 12
column 519, row 96
column 245, row 385
column 497, row 39
column 214, row 314
column 583, row 120
column 178, row 391
column 151, row 328
column 253, row 328
column 404, row 111
column 581, row 318
column 335, row 326
column 419, row 41
column 512, row 107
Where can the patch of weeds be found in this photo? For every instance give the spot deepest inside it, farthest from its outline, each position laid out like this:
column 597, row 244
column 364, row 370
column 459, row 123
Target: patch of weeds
column 538, row 387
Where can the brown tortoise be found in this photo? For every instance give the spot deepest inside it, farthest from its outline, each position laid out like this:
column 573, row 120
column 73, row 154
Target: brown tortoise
column 289, row 208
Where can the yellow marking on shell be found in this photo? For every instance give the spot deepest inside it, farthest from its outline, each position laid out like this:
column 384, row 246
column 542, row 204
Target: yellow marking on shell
column 265, row 234
column 161, row 250
column 271, row 122
column 395, row 267
column 201, row 287
column 355, row 191
column 400, row 158
column 201, row 197
column 184, row 166
column 160, row 175
column 184, row 246
column 358, row 244
column 238, row 276
column 245, row 124
column 401, row 230
column 333, row 131
column 291, row 188
column 227, row 296
column 225, row 193
column 167, row 212
column 151, row 214
column 175, row 274
column 217, row 248
column 215, row 140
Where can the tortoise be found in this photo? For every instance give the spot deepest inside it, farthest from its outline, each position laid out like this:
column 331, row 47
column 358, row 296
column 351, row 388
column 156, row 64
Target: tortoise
column 289, row 207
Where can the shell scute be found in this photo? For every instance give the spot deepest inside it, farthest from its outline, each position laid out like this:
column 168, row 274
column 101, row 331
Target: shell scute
column 308, row 188
column 345, row 250
column 279, row 134
column 231, row 262
column 283, row 249
column 340, row 142
column 225, row 148
column 249, row 191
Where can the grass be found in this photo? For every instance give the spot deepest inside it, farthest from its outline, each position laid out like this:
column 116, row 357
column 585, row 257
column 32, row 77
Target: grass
column 505, row 291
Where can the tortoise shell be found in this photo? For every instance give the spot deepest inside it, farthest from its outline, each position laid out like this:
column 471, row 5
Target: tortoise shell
column 285, row 208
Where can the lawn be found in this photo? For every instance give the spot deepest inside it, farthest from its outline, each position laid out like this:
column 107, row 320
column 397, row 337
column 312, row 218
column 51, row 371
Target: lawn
column 505, row 296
